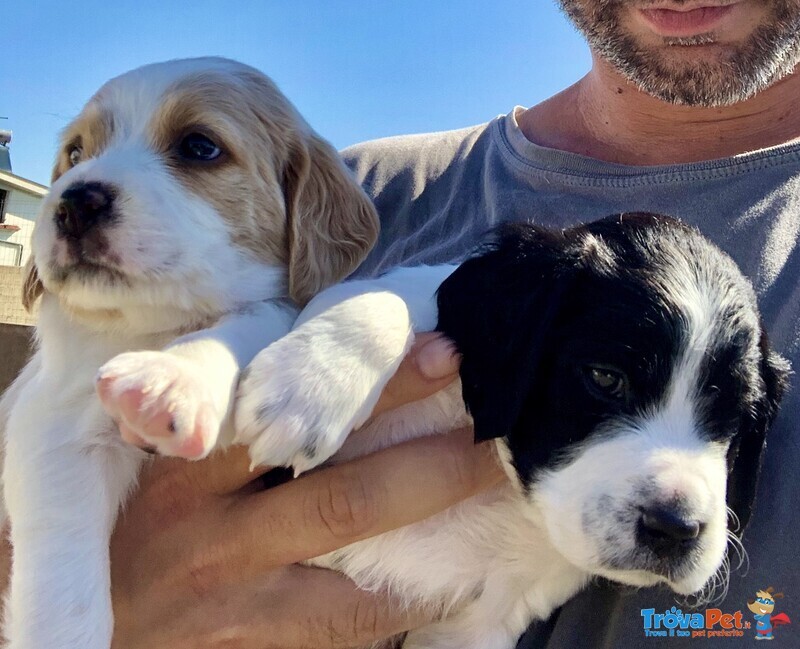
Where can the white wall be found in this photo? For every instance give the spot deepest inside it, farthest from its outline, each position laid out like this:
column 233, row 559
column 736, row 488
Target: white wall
column 21, row 210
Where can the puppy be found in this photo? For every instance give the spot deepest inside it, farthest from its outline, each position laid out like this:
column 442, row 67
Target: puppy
column 623, row 373
column 191, row 208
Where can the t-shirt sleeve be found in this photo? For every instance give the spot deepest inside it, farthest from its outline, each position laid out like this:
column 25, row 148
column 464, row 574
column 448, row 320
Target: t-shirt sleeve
column 413, row 181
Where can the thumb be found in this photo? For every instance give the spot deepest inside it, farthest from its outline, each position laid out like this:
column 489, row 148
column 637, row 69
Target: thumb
column 430, row 365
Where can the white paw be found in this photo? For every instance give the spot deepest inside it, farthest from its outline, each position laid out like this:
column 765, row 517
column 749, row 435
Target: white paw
column 301, row 396
column 161, row 402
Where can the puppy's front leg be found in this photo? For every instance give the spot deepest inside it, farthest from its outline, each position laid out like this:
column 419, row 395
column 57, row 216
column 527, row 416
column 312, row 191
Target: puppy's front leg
column 303, row 395
column 177, row 401
column 63, row 496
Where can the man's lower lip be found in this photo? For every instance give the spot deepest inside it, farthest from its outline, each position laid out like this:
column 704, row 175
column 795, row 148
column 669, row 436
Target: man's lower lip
column 667, row 22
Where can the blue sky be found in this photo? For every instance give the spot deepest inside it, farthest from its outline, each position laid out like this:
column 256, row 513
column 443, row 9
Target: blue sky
column 357, row 69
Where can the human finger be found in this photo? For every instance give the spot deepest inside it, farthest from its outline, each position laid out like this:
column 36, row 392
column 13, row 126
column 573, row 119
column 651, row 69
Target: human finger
column 431, row 364
column 339, row 505
column 295, row 607
column 5, row 557
column 223, row 472
column 324, row 609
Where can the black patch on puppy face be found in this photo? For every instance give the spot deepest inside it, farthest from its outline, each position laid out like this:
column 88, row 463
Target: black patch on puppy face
column 537, row 310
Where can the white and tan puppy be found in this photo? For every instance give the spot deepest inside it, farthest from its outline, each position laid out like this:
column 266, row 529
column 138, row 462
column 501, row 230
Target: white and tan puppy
column 191, row 206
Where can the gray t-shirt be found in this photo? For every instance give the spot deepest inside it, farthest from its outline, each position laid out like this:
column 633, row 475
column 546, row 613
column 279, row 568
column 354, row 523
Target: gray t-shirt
column 437, row 195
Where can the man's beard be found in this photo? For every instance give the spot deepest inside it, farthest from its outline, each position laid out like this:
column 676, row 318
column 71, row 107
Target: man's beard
column 769, row 53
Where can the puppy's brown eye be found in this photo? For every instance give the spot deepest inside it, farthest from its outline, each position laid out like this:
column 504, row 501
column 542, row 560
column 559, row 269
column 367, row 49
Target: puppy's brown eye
column 197, row 146
column 606, row 382
column 75, row 154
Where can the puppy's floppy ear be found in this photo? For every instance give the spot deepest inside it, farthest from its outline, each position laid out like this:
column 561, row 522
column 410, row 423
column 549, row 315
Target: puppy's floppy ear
column 498, row 308
column 332, row 224
column 32, row 286
column 747, row 448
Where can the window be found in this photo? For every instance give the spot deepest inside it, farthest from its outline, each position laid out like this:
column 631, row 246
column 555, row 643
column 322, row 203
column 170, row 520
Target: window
column 3, row 197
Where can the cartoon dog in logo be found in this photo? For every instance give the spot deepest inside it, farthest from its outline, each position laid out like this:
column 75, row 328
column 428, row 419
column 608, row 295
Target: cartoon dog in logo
column 761, row 607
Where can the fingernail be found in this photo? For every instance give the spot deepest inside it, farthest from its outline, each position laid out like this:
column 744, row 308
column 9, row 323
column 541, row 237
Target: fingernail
column 437, row 359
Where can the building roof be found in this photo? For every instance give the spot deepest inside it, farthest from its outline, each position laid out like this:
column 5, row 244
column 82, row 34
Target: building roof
column 18, row 182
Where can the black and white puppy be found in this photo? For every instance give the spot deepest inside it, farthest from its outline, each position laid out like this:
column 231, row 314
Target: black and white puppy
column 622, row 370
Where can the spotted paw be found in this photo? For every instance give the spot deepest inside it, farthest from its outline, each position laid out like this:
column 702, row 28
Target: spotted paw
column 300, row 397
column 161, row 403
column 277, row 415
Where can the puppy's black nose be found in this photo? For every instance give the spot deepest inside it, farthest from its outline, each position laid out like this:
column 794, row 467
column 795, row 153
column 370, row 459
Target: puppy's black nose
column 666, row 532
column 82, row 206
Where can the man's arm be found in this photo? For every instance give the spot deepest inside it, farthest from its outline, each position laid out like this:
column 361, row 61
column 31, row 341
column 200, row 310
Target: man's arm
column 202, row 555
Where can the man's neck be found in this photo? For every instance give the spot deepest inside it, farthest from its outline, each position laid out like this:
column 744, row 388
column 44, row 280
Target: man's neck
column 603, row 116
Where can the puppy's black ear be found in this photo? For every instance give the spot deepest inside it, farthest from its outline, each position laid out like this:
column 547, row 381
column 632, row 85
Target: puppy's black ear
column 497, row 308
column 747, row 448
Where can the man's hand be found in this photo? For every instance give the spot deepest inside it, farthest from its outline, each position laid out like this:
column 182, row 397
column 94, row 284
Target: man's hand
column 202, row 557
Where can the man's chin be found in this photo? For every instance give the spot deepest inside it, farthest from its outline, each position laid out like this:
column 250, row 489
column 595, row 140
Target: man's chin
column 707, row 68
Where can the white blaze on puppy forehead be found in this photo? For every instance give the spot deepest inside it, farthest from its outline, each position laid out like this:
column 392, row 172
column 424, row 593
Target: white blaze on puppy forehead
column 132, row 98
column 709, row 304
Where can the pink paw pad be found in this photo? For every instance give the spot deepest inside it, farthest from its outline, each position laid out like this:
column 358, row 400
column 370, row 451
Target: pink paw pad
column 167, row 415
